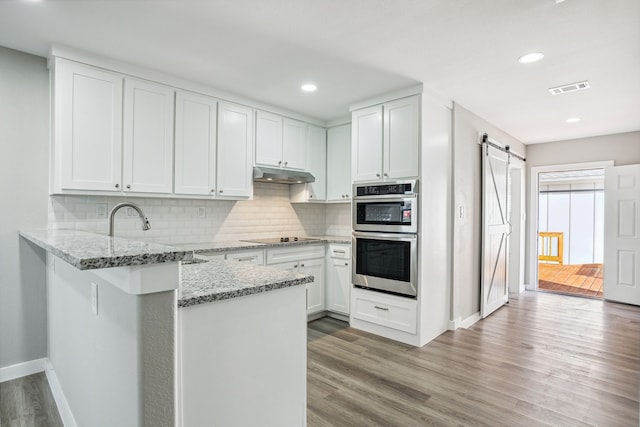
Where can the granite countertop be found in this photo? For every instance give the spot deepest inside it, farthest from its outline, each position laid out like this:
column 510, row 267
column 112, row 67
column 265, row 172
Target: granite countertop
column 219, row 280
column 234, row 245
column 87, row 251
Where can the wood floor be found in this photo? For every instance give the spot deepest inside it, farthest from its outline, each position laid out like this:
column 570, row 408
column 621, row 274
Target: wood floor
column 544, row 359
column 28, row 402
column 576, row 279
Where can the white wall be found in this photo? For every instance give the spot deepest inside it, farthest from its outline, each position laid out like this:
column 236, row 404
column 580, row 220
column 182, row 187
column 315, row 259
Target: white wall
column 24, row 112
column 467, row 193
column 176, row 221
column 623, row 149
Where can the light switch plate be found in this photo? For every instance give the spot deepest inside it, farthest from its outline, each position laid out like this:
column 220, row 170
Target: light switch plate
column 101, row 210
column 201, row 212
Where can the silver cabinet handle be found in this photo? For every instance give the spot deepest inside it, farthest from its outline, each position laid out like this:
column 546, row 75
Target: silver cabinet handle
column 378, row 175
column 220, row 191
column 246, row 258
column 128, row 186
column 336, row 251
column 213, row 190
column 381, row 308
column 286, row 163
column 117, row 185
column 346, row 264
column 295, row 266
column 279, row 162
column 386, row 174
column 301, row 265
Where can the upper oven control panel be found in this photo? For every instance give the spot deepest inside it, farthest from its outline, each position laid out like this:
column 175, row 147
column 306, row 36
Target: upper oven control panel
column 386, row 189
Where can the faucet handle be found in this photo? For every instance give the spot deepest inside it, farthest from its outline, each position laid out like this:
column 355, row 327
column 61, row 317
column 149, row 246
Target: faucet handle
column 145, row 224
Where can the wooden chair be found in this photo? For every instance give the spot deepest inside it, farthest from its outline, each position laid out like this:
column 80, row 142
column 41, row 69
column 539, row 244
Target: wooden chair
column 547, row 247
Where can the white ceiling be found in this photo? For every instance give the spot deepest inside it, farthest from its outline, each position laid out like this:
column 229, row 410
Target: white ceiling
column 465, row 50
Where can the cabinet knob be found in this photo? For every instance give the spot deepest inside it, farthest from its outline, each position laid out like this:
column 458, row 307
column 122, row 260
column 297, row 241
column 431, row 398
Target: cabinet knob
column 117, row 185
column 346, row 264
column 378, row 175
column 128, row 186
column 286, row 163
column 311, row 196
column 279, row 162
column 386, row 174
column 295, row 266
column 213, row 190
column 301, row 265
column 220, row 191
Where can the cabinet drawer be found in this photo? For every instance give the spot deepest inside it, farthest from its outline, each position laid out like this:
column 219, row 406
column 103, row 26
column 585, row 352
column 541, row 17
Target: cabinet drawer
column 392, row 312
column 253, row 257
column 294, row 253
column 340, row 251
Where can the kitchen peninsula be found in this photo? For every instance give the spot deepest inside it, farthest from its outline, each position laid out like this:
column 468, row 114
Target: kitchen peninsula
column 113, row 346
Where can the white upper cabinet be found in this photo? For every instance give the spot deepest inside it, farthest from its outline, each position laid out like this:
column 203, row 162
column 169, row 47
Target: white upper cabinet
column 339, row 163
column 401, row 138
column 195, row 144
column 87, row 143
column 366, row 155
column 280, row 141
column 316, row 162
column 294, row 153
column 385, row 141
column 268, row 139
column 235, row 151
column 147, row 137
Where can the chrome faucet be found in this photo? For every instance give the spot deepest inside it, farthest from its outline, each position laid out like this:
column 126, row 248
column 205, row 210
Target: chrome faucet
column 145, row 222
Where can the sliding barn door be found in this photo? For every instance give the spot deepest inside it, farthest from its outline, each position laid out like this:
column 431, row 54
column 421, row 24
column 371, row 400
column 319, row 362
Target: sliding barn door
column 494, row 290
column 622, row 234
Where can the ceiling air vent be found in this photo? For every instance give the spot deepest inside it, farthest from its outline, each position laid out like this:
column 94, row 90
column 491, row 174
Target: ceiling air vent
column 573, row 87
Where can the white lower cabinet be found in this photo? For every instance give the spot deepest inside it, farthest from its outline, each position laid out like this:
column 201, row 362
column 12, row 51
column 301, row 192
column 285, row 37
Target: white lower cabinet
column 385, row 310
column 338, row 283
column 305, row 260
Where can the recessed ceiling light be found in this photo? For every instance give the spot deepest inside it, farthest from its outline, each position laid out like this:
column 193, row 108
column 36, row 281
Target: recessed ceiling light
column 573, row 120
column 531, row 57
column 309, row 87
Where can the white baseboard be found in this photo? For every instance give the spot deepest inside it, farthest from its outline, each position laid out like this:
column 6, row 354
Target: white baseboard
column 529, row 287
column 58, row 395
column 466, row 323
column 22, row 369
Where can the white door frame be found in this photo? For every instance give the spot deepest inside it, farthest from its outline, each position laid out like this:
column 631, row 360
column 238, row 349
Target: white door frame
column 533, row 210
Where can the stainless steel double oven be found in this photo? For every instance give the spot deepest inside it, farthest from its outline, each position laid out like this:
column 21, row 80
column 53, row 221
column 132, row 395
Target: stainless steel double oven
column 385, row 237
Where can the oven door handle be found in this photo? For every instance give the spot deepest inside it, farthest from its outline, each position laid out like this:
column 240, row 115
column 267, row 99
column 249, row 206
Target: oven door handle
column 403, row 237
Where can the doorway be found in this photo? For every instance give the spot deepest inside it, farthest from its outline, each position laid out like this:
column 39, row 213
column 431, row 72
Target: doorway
column 542, row 223
column 571, row 232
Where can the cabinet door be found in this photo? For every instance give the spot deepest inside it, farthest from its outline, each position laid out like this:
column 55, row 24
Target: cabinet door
column 366, row 140
column 294, row 144
column 235, row 150
column 339, row 163
column 338, row 285
column 88, row 128
column 316, row 162
column 148, row 137
column 268, row 139
column 315, row 290
column 195, row 144
column 401, row 138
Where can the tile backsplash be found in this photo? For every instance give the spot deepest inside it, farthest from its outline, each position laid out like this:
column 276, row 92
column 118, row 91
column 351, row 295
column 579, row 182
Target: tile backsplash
column 268, row 214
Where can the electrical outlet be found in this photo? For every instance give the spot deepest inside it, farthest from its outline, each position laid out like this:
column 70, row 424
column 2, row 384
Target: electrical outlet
column 129, row 211
column 101, row 210
column 94, row 298
column 201, row 212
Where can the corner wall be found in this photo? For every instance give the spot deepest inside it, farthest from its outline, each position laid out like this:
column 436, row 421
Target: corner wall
column 24, row 112
column 467, row 193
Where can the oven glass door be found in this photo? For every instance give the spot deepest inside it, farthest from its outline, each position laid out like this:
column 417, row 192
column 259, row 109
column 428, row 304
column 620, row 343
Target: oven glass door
column 385, row 262
column 395, row 215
